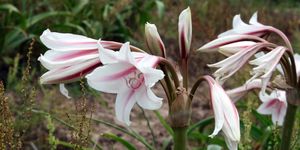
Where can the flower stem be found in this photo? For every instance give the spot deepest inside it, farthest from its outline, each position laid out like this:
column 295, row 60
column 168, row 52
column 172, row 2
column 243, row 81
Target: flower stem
column 180, row 136
column 184, row 67
column 288, row 127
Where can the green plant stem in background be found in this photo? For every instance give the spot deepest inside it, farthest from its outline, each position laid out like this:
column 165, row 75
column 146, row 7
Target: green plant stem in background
column 288, row 127
column 180, row 135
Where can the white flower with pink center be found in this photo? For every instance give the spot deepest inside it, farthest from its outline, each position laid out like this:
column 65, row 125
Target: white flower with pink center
column 130, row 75
column 274, row 104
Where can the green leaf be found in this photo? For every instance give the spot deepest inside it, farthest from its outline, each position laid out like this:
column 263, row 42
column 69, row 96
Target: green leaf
column 164, row 123
column 9, row 7
column 256, row 132
column 40, row 17
column 120, row 140
column 80, row 6
column 14, row 38
column 201, row 124
column 264, row 120
column 160, row 8
column 130, row 133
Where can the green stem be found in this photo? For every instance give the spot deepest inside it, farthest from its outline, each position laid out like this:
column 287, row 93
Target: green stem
column 180, row 137
column 288, row 127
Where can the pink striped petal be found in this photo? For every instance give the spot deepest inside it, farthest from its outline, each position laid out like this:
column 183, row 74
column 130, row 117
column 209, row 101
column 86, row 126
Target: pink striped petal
column 53, row 59
column 67, row 41
column 70, row 73
column 124, row 103
column 185, row 32
column 226, row 114
column 147, row 99
column 110, row 78
column 217, row 43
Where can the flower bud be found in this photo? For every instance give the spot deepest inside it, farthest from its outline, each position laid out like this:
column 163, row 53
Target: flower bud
column 185, row 32
column 153, row 40
column 180, row 109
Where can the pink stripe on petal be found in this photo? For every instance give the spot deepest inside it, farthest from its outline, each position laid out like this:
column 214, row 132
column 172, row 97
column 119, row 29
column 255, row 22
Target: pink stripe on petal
column 76, row 54
column 183, row 47
column 79, row 43
column 119, row 74
column 126, row 103
column 77, row 74
column 271, row 103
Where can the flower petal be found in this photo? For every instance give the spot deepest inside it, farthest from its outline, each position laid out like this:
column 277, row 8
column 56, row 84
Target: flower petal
column 56, row 59
column 69, row 73
column 110, row 78
column 124, row 103
column 147, row 99
column 231, row 144
column 64, row 91
column 67, row 41
column 218, row 111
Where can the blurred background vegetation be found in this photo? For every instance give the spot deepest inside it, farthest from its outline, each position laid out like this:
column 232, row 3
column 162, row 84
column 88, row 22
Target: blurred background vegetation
column 29, row 109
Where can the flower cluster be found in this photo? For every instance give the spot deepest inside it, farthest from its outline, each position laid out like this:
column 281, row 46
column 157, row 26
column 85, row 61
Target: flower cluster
column 240, row 44
column 131, row 73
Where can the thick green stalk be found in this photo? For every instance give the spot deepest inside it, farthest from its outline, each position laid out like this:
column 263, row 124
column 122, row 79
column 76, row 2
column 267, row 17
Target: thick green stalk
column 180, row 138
column 288, row 127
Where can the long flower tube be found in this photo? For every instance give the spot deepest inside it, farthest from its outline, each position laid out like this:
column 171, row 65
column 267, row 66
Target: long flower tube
column 225, row 112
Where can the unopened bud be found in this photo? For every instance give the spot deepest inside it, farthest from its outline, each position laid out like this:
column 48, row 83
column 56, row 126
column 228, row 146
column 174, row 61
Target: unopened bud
column 153, row 40
column 185, row 32
column 180, row 109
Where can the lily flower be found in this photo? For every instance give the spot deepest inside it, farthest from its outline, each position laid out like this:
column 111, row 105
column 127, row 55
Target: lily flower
column 70, row 57
column 130, row 75
column 266, row 64
column 253, row 28
column 226, row 114
column 232, row 64
column 153, row 40
column 185, row 32
column 274, row 104
column 231, row 41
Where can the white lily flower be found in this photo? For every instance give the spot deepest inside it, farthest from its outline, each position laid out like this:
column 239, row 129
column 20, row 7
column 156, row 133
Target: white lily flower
column 185, row 32
column 253, row 28
column 230, row 41
column 274, row 104
column 70, row 57
column 129, row 74
column 266, row 64
column 232, row 64
column 153, row 40
column 226, row 114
